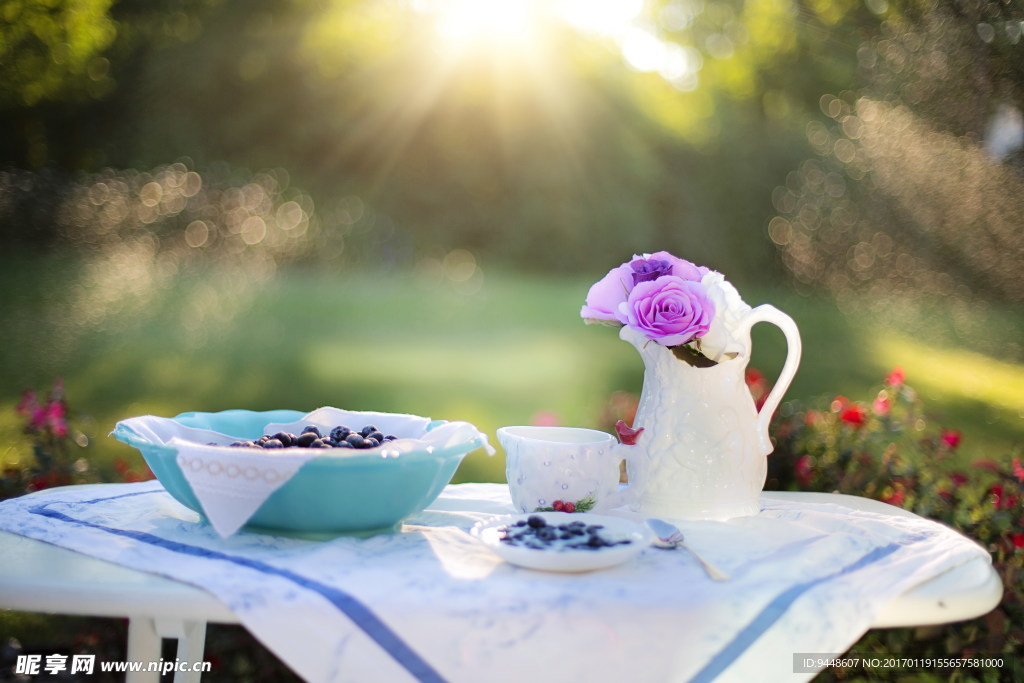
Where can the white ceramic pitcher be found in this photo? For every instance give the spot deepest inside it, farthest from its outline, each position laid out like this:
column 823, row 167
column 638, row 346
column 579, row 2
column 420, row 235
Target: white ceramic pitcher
column 703, row 450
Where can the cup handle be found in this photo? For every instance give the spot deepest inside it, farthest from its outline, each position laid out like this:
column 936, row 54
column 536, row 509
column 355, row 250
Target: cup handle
column 769, row 314
column 623, row 494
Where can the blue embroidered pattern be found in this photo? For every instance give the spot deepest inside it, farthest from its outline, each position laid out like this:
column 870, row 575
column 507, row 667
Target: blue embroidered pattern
column 355, row 610
column 773, row 611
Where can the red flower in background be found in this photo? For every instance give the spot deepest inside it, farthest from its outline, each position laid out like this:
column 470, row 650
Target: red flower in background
column 1001, row 499
column 896, row 497
column 951, row 437
column 896, row 377
column 1017, row 540
column 853, row 414
column 758, row 386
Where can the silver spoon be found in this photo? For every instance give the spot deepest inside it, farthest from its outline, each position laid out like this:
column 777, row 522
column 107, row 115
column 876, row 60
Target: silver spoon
column 669, row 537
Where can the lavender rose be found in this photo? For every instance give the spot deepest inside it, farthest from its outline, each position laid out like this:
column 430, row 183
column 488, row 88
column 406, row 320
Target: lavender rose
column 607, row 294
column 605, row 298
column 670, row 310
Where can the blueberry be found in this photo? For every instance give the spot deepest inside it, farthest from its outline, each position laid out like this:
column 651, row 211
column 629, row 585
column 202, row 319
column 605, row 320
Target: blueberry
column 390, row 437
column 595, row 541
column 306, row 439
column 318, row 443
column 367, row 430
column 312, row 429
column 285, row 438
column 273, row 443
column 375, row 435
column 547, row 533
column 371, row 442
column 342, row 444
column 535, row 521
column 356, row 441
column 340, row 432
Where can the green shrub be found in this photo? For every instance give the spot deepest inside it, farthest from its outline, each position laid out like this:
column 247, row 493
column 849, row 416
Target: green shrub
column 889, row 448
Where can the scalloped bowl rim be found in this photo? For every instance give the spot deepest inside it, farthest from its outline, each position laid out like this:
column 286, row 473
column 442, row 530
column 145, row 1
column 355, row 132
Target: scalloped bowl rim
column 423, row 473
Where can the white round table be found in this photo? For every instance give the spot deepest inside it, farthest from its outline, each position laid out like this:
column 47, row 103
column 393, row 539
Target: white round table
column 39, row 577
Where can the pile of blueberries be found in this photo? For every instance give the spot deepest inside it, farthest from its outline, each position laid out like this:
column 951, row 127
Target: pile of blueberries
column 311, row 437
column 535, row 533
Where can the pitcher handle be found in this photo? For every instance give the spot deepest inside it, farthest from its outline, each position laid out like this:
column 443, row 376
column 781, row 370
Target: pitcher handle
column 769, row 314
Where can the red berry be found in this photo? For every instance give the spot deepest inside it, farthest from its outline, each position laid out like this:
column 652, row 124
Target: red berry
column 559, row 505
column 569, row 507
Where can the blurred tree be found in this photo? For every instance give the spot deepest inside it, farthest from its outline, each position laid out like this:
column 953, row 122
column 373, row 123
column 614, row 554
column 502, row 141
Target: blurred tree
column 54, row 51
column 672, row 131
column 918, row 185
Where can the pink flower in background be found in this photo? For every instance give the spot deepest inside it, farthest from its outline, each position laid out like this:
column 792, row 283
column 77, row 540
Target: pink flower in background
column 896, row 377
column 28, row 403
column 1018, row 469
column 882, row 405
column 951, row 437
column 804, row 469
column 670, row 310
column 56, row 417
column 545, row 418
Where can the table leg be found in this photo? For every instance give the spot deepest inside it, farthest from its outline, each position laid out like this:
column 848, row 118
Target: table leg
column 144, row 646
column 145, row 642
column 191, row 644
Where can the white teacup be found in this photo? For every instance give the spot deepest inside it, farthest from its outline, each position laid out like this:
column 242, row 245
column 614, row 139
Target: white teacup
column 548, row 465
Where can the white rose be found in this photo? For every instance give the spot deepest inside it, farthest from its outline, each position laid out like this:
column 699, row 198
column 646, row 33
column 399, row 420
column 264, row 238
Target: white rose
column 721, row 342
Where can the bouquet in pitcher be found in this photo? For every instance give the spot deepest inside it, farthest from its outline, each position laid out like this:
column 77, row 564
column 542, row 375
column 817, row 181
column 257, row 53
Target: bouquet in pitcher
column 697, row 446
column 691, row 309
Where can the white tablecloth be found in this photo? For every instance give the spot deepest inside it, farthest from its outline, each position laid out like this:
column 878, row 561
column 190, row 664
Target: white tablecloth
column 432, row 604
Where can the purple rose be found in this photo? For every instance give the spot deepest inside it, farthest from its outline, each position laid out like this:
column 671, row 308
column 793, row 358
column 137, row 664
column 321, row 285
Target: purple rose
column 647, row 269
column 670, row 310
column 606, row 295
column 680, row 267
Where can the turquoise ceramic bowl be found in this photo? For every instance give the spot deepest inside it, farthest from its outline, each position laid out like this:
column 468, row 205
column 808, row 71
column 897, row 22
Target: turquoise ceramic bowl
column 356, row 494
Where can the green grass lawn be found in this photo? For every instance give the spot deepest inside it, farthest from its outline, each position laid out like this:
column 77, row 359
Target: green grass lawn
column 135, row 338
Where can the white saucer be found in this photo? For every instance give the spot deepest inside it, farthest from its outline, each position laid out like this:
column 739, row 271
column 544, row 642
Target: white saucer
column 557, row 557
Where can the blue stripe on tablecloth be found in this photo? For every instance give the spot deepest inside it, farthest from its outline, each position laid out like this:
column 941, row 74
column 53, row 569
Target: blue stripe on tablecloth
column 355, row 610
column 773, row 611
